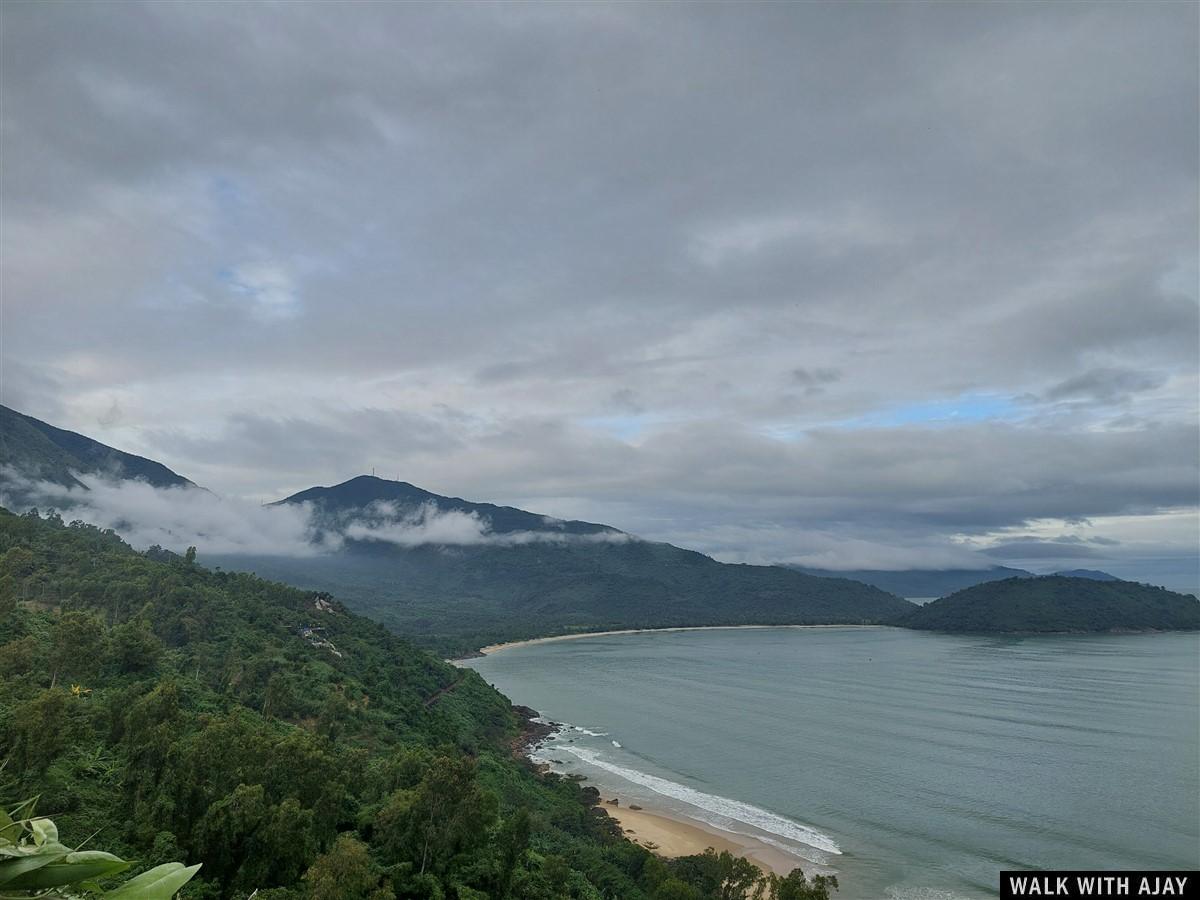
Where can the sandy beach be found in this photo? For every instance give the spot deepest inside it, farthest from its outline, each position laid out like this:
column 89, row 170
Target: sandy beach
column 671, row 837
column 496, row 648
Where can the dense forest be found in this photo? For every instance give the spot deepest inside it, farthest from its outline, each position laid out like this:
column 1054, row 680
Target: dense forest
column 175, row 715
column 1058, row 603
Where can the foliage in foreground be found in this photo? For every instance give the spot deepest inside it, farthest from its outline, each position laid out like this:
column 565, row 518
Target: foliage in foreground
column 35, row 863
column 289, row 747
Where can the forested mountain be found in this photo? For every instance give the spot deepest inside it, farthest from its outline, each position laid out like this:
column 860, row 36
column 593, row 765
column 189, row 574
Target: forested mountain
column 1058, row 603
column 284, row 743
column 42, row 452
column 940, row 582
column 921, row 582
column 532, row 576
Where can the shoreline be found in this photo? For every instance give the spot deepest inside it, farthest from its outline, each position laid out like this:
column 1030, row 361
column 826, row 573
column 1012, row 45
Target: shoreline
column 672, row 836
column 666, row 834
column 508, row 645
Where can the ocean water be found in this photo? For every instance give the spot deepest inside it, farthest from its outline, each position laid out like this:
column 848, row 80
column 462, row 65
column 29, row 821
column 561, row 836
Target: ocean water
column 916, row 766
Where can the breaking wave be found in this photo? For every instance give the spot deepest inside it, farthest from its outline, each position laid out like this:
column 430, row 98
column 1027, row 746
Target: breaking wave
column 723, row 807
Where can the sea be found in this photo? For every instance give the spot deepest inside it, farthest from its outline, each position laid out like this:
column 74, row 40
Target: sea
column 914, row 766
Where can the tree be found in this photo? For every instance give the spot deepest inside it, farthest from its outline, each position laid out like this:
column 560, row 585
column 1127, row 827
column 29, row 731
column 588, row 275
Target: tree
column 76, row 643
column 794, row 886
column 16, row 657
column 133, row 647
column 346, row 872
column 224, row 833
column 722, row 876
column 446, row 814
column 40, row 730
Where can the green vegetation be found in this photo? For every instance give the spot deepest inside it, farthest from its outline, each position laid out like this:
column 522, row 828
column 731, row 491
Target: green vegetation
column 286, row 745
column 455, row 600
column 1058, row 603
column 35, row 863
column 553, row 578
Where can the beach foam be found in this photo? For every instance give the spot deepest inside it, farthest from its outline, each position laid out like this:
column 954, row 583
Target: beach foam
column 722, row 807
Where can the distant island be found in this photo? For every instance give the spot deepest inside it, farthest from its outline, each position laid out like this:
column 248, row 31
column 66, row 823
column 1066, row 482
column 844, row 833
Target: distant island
column 1058, row 603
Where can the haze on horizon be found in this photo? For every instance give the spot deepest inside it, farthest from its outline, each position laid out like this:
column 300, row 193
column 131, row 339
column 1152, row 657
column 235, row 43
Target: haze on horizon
column 849, row 285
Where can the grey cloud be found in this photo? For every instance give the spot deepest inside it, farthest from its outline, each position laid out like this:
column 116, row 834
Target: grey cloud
column 574, row 254
column 1041, row 550
column 1104, row 385
column 177, row 518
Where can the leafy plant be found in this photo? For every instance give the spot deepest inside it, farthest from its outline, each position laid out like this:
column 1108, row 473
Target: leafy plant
column 34, row 863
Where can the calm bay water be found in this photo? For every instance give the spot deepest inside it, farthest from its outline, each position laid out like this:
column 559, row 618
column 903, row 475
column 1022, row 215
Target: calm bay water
column 914, row 765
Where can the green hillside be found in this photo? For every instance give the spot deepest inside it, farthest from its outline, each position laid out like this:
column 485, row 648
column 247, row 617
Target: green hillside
column 1060, row 604
column 557, row 577
column 284, row 743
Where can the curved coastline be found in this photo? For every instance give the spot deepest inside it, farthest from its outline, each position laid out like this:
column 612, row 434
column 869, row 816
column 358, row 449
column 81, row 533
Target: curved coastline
column 667, row 832
column 508, row 645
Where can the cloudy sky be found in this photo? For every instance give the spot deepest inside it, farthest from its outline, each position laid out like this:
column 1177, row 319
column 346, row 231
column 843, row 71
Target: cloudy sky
column 853, row 285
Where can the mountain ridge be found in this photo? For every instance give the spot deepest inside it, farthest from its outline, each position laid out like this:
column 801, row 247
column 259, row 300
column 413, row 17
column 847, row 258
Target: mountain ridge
column 361, row 491
column 1058, row 603
column 44, row 452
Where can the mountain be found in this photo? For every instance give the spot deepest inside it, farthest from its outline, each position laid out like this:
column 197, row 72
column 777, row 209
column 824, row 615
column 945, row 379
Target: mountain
column 291, row 748
column 352, row 501
column 41, row 452
column 1094, row 574
column 921, row 582
column 507, row 574
column 1056, row 603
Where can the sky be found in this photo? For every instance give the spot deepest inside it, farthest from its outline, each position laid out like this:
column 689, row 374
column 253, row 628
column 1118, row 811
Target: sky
column 846, row 285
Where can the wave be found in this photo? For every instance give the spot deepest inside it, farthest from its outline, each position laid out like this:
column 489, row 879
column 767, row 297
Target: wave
column 724, row 807
column 902, row 892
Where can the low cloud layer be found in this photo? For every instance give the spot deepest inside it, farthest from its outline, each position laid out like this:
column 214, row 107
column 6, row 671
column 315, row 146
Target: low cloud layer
column 174, row 518
column 383, row 522
column 182, row 517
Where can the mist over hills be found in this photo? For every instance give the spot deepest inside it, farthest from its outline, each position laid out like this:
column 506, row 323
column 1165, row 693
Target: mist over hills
column 455, row 574
column 42, row 452
column 369, row 497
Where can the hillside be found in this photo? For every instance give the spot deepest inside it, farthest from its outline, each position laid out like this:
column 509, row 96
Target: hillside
column 539, row 577
column 921, row 582
column 281, row 741
column 1056, row 603
column 42, row 452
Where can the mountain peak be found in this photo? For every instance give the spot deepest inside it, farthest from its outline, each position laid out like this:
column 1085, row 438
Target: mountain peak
column 356, row 495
